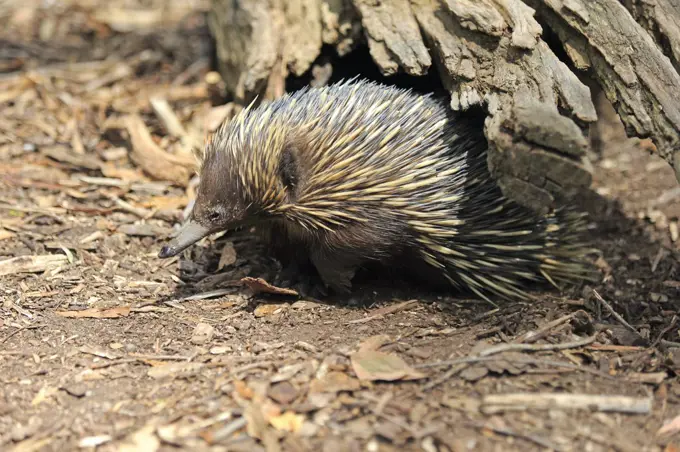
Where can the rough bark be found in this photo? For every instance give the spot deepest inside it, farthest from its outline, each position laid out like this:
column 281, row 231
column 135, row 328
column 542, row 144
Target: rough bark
column 636, row 76
column 488, row 53
column 661, row 18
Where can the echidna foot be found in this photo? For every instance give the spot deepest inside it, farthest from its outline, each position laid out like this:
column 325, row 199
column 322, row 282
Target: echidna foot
column 303, row 279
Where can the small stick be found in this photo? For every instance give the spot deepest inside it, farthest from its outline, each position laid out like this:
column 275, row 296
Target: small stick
column 508, row 432
column 674, row 320
column 19, row 330
column 450, row 373
column 616, row 315
column 533, row 336
column 380, row 313
column 493, row 404
column 462, row 363
column 537, row 347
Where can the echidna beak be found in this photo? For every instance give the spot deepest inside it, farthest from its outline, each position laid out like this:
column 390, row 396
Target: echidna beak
column 190, row 233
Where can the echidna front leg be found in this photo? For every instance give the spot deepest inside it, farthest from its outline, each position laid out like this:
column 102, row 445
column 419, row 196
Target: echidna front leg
column 336, row 270
column 297, row 270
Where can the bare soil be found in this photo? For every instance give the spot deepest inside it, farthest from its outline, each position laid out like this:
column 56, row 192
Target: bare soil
column 103, row 345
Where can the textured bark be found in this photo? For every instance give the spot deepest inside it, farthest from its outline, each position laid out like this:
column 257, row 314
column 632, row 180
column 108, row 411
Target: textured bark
column 636, row 76
column 488, row 53
column 661, row 18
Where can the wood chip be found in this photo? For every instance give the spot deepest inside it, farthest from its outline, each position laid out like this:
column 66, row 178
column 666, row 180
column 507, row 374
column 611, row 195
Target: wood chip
column 97, row 313
column 152, row 159
column 31, row 264
column 492, row 404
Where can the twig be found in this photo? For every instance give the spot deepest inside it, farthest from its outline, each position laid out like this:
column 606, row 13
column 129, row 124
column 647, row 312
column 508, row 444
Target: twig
column 19, row 330
column 449, row 374
column 533, row 336
column 229, row 429
column 508, row 432
column 616, row 315
column 657, row 259
column 384, row 311
column 537, row 347
column 663, row 332
column 518, row 360
column 493, row 404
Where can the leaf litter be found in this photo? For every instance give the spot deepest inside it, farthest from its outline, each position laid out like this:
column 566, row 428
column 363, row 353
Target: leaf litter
column 102, row 105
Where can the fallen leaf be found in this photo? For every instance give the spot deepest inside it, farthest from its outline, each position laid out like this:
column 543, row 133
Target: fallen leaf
column 243, row 390
column 372, row 365
column 264, row 310
column 334, row 382
column 287, row 422
column 97, row 313
column 228, row 256
column 670, row 427
column 259, row 285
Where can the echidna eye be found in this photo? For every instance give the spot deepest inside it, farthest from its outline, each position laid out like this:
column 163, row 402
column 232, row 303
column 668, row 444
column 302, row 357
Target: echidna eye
column 214, row 215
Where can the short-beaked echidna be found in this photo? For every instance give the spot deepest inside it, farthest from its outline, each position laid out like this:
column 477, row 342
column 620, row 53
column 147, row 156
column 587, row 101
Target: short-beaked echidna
column 359, row 172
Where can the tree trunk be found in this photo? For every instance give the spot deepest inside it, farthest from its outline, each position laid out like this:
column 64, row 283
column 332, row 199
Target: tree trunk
column 487, row 53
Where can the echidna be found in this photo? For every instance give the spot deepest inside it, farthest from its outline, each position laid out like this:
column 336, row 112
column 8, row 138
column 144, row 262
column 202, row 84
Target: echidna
column 358, row 172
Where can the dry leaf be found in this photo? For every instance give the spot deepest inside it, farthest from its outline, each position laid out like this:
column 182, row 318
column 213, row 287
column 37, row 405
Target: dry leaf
column 97, row 313
column 243, row 390
column 259, row 285
column 287, row 422
column 373, row 365
column 334, row 382
column 264, row 310
column 228, row 256
column 670, row 427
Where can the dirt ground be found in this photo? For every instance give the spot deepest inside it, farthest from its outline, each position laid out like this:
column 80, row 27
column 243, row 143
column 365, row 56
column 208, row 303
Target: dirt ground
column 103, row 345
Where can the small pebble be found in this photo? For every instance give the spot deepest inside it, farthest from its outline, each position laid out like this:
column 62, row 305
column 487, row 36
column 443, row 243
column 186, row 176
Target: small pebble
column 203, row 333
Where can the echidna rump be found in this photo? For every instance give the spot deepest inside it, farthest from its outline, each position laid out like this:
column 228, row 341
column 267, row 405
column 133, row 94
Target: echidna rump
column 359, row 172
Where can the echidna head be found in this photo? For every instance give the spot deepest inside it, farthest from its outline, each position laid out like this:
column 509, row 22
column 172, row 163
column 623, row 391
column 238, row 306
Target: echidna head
column 219, row 205
column 247, row 173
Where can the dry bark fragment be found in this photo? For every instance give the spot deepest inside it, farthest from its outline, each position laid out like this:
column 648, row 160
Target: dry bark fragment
column 661, row 18
column 152, row 159
column 393, row 36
